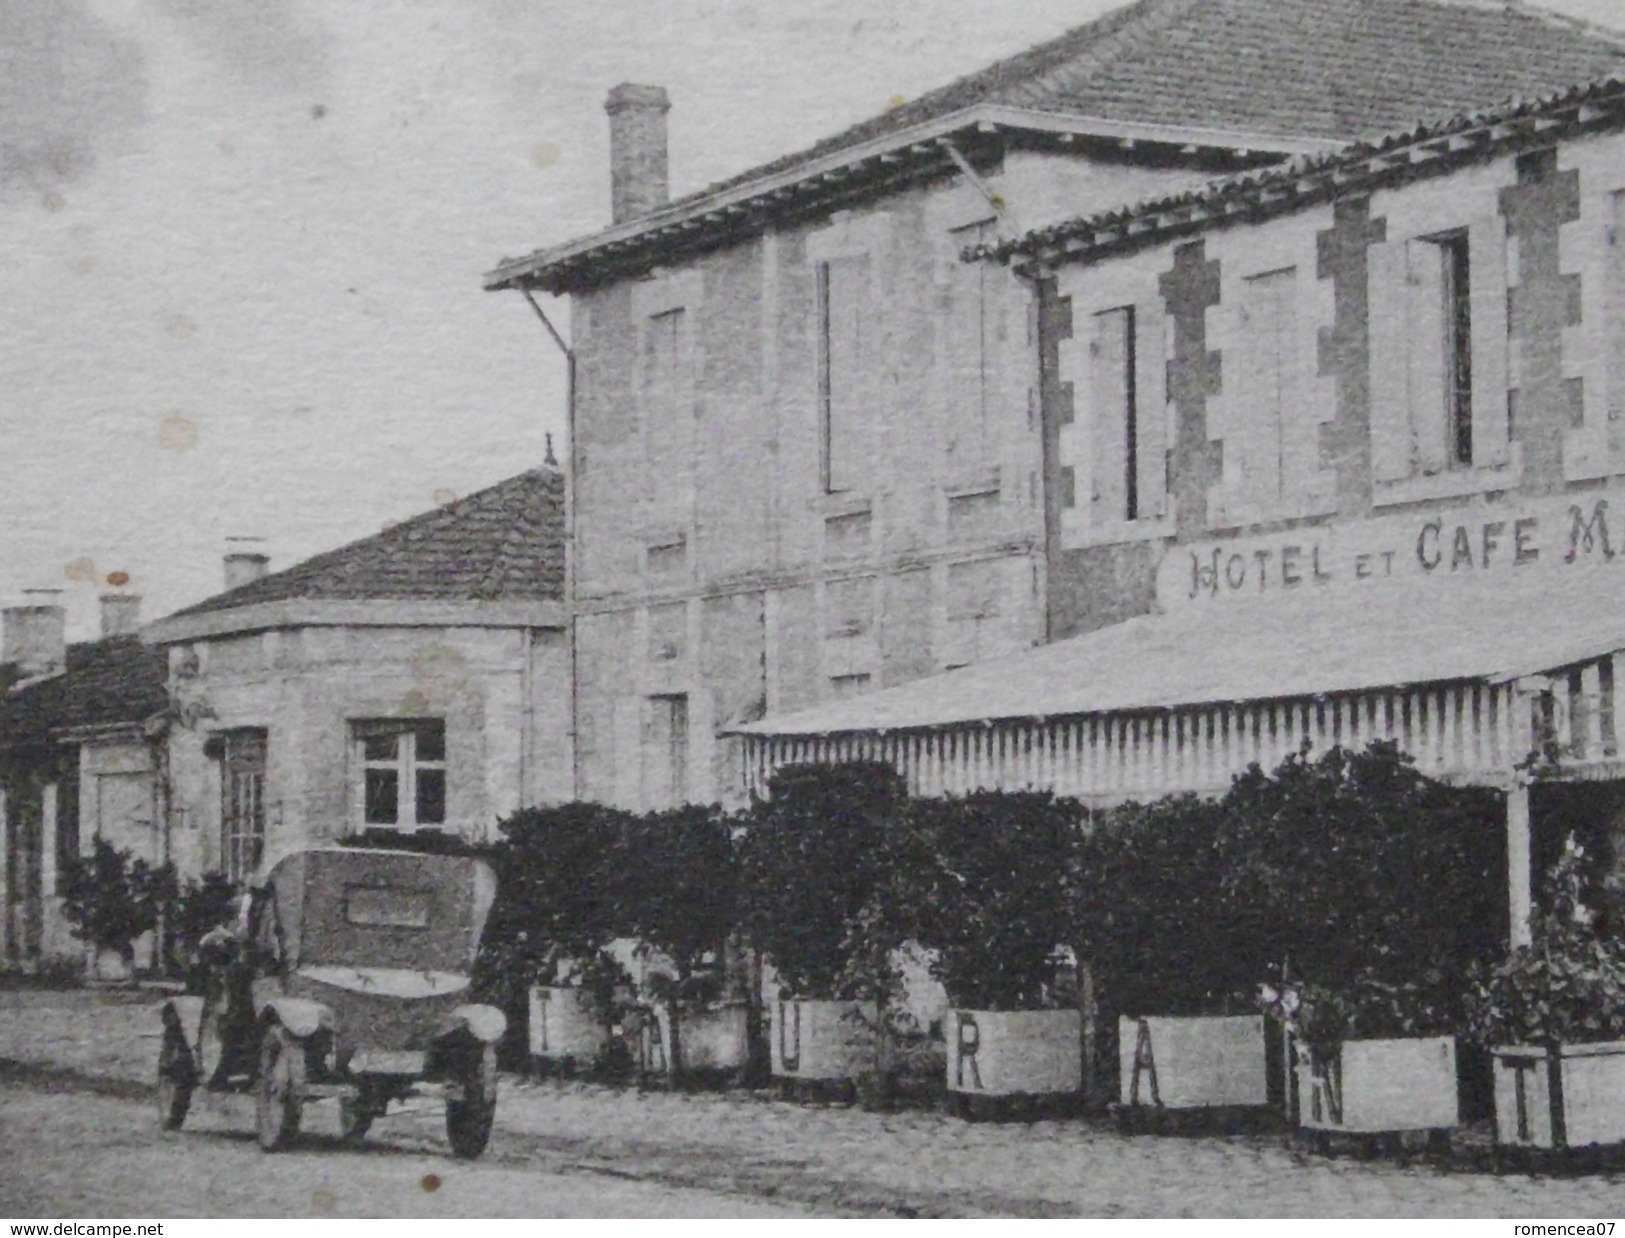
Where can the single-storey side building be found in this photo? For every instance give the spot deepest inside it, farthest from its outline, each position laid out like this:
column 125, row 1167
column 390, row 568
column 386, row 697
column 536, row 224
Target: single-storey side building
column 81, row 730
column 416, row 680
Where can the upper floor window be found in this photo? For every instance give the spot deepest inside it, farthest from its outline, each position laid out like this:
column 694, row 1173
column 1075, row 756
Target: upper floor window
column 1112, row 455
column 972, row 336
column 402, row 773
column 843, row 289
column 1439, row 341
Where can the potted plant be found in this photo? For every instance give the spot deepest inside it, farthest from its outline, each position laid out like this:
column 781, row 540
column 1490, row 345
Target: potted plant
column 1173, row 958
column 554, row 918
column 1384, row 887
column 111, row 902
column 813, row 854
column 989, row 881
column 678, row 895
column 1372, row 1056
column 1553, row 1015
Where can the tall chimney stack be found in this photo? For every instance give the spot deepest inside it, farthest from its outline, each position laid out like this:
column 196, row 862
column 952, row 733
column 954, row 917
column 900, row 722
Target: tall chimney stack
column 121, row 614
column 36, row 634
column 243, row 567
column 637, row 150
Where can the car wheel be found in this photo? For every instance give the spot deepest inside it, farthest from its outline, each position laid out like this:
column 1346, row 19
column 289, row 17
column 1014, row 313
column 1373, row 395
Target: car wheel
column 177, row 1075
column 281, row 1089
column 356, row 1114
column 472, row 1107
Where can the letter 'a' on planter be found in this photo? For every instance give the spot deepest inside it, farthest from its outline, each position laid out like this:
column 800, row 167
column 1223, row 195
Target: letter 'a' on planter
column 1014, row 1053
column 1379, row 1086
column 564, row 1026
column 714, row 1039
column 821, row 1041
column 1193, row 1063
column 1574, row 1099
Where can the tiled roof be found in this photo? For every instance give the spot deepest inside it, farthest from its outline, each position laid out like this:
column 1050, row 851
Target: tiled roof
column 106, row 682
column 1421, row 151
column 1343, row 69
column 1248, row 77
column 504, row 542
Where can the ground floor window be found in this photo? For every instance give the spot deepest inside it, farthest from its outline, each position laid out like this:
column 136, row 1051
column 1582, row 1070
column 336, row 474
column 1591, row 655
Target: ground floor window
column 401, row 768
column 242, row 802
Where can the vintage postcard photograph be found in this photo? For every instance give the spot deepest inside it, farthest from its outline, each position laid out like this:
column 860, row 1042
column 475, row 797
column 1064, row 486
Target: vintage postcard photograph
column 713, row 609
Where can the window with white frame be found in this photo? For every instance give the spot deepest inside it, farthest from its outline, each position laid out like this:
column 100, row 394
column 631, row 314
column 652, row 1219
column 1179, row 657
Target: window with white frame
column 242, row 801
column 1439, row 327
column 401, row 773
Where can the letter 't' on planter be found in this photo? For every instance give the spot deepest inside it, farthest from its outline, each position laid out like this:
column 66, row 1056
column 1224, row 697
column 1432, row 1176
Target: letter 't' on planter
column 1379, row 1086
column 1574, row 1100
column 1193, row 1063
column 1014, row 1052
column 564, row 1026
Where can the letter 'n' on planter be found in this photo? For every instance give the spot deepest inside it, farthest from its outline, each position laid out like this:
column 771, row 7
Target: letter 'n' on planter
column 1371, row 1087
column 1014, row 1053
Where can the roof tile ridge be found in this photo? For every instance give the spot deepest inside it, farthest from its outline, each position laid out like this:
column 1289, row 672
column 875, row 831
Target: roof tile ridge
column 1158, row 17
column 529, row 521
column 1551, row 17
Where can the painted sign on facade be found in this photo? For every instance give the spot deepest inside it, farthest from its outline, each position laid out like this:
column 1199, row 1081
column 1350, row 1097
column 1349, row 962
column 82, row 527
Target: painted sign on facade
column 1545, row 535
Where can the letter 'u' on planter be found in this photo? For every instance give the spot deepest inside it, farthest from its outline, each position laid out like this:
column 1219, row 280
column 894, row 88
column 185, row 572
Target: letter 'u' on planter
column 1193, row 1063
column 1585, row 1107
column 1014, row 1053
column 1379, row 1086
column 820, row 1041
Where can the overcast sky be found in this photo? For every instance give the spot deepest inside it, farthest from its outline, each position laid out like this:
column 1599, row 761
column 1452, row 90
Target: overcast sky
column 245, row 241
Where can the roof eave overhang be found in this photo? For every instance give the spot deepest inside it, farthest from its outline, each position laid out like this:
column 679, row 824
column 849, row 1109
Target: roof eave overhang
column 364, row 613
column 1349, row 170
column 921, row 147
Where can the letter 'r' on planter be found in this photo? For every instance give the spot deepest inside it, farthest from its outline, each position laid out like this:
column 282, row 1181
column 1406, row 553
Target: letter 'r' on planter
column 1014, row 1053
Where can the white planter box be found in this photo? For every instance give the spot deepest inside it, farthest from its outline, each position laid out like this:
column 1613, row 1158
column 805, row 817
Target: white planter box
column 1193, row 1063
column 1591, row 1083
column 1378, row 1086
column 563, row 1025
column 821, row 1040
column 713, row 1038
column 1014, row 1053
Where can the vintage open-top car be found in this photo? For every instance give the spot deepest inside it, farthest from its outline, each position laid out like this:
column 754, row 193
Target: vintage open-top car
column 346, row 977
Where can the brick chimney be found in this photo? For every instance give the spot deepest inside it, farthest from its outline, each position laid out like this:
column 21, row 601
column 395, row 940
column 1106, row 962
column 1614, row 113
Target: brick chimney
column 637, row 150
column 36, row 635
column 244, row 567
column 121, row 614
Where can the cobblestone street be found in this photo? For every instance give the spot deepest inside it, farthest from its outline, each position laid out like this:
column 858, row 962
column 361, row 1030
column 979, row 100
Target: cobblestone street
column 748, row 1147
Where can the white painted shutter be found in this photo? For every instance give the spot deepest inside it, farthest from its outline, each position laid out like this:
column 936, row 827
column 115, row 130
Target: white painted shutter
column 1427, row 335
column 1387, row 297
column 1151, row 403
column 1487, row 254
